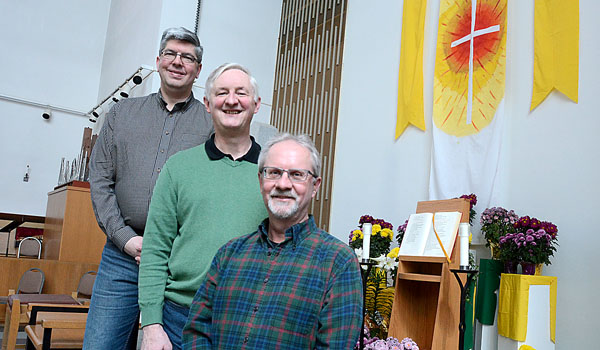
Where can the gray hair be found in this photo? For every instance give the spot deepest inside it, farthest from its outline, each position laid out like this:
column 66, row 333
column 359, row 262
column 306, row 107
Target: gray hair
column 182, row 34
column 303, row 140
column 222, row 69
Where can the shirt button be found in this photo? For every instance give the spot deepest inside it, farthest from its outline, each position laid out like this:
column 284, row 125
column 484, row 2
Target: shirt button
column 266, row 280
column 167, row 133
column 162, row 151
column 170, row 115
column 245, row 340
column 255, row 308
column 158, row 170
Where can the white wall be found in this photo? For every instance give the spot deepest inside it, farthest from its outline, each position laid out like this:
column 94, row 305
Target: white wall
column 52, row 54
column 552, row 166
column 374, row 174
column 131, row 43
column 550, row 160
column 245, row 32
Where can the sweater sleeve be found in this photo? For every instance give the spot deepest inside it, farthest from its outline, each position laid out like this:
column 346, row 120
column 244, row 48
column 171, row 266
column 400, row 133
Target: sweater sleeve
column 161, row 230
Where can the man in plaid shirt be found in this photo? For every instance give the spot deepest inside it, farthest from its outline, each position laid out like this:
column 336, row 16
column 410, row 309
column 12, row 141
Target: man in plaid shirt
column 289, row 285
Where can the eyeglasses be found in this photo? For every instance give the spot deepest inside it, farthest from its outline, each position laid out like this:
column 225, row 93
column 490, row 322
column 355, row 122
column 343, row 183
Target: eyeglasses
column 295, row 175
column 169, row 56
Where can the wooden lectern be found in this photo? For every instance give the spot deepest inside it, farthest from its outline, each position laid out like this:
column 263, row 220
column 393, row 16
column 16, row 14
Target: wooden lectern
column 427, row 297
column 71, row 231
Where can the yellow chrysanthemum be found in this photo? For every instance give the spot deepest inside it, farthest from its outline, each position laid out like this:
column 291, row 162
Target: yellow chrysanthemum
column 393, row 253
column 376, row 228
column 356, row 233
column 353, row 238
column 386, row 232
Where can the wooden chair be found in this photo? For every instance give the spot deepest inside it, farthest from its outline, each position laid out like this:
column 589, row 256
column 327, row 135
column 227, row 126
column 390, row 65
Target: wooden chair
column 56, row 326
column 16, row 313
column 31, row 282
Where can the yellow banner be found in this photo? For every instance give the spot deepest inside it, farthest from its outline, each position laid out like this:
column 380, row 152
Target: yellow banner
column 556, row 45
column 410, row 76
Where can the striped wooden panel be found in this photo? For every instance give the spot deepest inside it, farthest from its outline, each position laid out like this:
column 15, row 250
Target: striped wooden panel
column 307, row 81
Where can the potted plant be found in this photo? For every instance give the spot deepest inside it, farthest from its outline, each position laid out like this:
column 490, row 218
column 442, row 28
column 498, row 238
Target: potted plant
column 495, row 223
column 539, row 241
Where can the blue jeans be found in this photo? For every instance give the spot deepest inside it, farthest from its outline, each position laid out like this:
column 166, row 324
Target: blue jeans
column 174, row 318
column 113, row 318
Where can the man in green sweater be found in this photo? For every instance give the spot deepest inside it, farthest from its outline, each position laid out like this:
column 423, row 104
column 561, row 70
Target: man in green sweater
column 204, row 197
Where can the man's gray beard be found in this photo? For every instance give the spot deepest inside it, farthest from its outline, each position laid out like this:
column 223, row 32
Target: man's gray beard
column 283, row 211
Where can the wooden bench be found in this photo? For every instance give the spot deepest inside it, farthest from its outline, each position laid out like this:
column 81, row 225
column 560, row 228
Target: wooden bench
column 56, row 326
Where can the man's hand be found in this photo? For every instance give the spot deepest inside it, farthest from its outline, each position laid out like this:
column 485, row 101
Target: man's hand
column 155, row 338
column 133, row 247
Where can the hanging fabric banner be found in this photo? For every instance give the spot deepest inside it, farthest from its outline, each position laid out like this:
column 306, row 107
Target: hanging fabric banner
column 556, row 49
column 410, row 76
column 468, row 105
column 470, row 65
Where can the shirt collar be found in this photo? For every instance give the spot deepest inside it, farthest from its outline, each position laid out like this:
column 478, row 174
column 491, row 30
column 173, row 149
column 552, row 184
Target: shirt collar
column 215, row 154
column 295, row 234
column 180, row 106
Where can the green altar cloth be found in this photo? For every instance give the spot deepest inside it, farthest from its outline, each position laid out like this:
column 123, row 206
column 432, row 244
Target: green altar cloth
column 486, row 298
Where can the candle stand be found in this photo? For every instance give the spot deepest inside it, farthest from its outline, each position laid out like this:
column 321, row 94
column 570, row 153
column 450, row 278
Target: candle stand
column 365, row 276
column 463, row 296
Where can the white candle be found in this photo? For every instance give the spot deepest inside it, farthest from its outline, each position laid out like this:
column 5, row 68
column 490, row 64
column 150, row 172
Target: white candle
column 366, row 250
column 463, row 233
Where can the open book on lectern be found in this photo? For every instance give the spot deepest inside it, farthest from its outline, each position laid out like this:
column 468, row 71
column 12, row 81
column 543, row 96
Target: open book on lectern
column 419, row 238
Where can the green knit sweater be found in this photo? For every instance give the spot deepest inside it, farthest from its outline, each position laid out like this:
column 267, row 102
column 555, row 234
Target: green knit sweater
column 198, row 205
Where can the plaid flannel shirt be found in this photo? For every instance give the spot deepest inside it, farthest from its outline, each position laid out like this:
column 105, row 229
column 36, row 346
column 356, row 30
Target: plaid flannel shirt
column 304, row 293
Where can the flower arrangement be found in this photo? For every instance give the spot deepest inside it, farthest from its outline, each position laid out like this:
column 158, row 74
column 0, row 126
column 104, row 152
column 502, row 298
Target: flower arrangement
column 495, row 223
column 472, row 198
column 379, row 293
column 390, row 343
column 534, row 241
column 382, row 235
column 401, row 231
column 389, row 262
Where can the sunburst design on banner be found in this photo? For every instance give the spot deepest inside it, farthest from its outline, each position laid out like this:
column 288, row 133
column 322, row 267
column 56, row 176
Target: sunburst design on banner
column 466, row 103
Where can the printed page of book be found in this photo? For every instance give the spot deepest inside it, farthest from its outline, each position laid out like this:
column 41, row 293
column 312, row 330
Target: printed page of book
column 446, row 225
column 415, row 237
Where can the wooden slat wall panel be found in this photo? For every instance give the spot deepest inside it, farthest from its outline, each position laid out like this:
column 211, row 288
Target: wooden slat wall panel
column 307, row 81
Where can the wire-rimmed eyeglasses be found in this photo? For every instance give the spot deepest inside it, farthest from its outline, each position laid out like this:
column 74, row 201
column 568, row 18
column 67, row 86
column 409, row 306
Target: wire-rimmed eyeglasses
column 295, row 175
